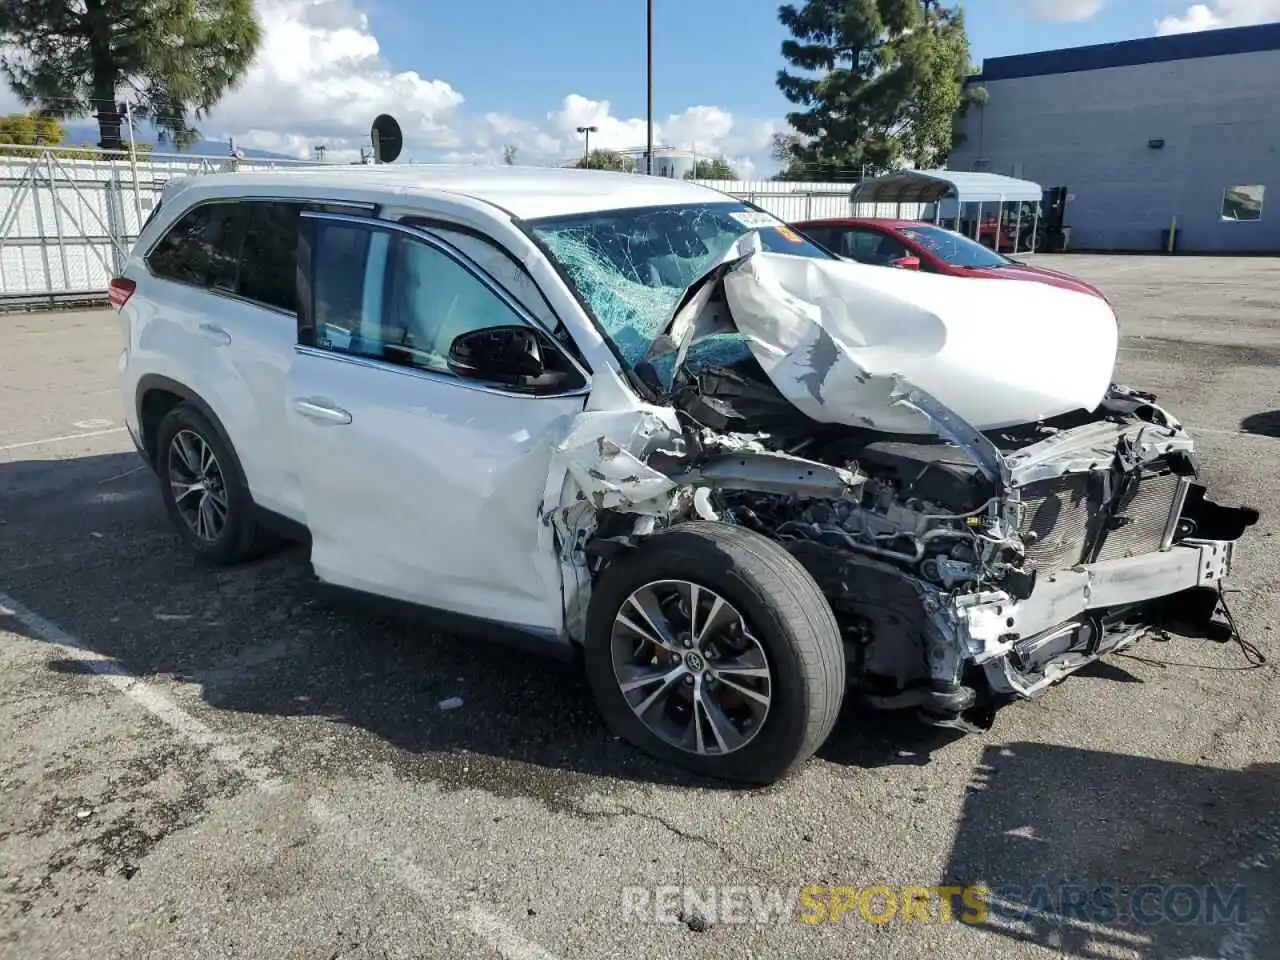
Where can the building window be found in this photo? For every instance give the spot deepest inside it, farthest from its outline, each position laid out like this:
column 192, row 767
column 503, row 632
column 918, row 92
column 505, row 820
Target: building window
column 1243, row 203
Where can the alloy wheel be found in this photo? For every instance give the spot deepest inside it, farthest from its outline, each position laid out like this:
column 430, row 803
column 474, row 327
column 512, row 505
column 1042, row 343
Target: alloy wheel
column 198, row 486
column 690, row 668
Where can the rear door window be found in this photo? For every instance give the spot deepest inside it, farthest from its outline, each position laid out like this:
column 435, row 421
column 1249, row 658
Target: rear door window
column 269, row 261
column 203, row 248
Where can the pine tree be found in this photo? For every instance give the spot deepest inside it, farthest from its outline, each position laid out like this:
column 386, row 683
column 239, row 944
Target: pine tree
column 169, row 58
column 879, row 82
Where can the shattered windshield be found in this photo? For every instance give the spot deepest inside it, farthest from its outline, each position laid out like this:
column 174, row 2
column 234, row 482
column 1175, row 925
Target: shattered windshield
column 955, row 248
column 631, row 266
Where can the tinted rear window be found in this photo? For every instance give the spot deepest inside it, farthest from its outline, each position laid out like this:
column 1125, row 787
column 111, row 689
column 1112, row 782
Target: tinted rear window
column 246, row 247
column 268, row 267
column 203, row 247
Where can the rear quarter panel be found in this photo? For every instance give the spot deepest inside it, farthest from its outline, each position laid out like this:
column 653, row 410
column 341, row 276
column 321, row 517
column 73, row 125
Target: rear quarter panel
column 242, row 383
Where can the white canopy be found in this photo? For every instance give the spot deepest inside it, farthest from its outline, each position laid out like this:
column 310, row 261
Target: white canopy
column 929, row 186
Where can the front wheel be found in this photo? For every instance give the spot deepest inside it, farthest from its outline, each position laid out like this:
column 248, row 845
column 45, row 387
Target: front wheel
column 713, row 649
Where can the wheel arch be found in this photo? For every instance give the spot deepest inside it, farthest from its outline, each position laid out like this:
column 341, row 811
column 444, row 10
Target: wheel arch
column 156, row 395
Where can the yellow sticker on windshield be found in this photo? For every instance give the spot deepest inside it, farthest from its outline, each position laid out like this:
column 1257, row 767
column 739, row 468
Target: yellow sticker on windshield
column 789, row 234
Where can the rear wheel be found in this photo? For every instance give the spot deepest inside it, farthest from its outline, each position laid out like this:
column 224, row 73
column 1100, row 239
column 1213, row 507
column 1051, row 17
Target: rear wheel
column 711, row 648
column 204, row 489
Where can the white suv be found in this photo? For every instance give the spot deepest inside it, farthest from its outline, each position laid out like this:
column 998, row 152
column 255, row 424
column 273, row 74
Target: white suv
column 639, row 419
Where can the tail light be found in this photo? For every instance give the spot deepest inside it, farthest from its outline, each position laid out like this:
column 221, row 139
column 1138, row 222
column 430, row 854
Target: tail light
column 119, row 290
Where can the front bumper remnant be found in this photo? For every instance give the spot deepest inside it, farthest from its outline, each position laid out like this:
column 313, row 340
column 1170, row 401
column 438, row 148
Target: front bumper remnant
column 992, row 622
column 998, row 632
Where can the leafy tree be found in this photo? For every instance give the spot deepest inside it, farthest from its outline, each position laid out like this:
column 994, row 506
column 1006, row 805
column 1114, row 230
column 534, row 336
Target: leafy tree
column 935, row 63
column 606, row 160
column 784, row 148
column 971, row 96
column 170, row 58
column 879, row 82
column 36, row 132
column 29, row 130
column 509, row 154
column 715, row 169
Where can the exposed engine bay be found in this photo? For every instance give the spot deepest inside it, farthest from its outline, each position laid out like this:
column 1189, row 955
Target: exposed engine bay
column 964, row 565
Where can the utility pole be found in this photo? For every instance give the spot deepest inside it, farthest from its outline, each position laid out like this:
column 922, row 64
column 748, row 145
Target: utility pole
column 586, row 144
column 648, row 22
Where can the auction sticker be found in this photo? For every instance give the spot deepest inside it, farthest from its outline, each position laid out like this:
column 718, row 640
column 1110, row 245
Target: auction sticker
column 755, row 219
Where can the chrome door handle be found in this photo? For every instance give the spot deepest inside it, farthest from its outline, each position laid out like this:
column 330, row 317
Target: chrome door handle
column 211, row 331
column 321, row 411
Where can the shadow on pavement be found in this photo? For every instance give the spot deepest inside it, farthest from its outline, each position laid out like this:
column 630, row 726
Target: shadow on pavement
column 1265, row 424
column 868, row 738
column 1100, row 855
column 88, row 546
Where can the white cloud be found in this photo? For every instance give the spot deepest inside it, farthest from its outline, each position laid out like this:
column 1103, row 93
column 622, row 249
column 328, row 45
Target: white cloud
column 9, row 102
column 1220, row 13
column 612, row 133
column 1064, row 9
column 319, row 78
column 706, row 130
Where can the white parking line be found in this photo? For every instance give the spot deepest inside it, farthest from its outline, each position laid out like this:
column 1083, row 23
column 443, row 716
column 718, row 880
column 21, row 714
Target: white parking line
column 61, row 439
column 500, row 935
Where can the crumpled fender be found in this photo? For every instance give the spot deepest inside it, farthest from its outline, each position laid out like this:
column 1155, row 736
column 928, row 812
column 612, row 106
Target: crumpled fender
column 604, row 453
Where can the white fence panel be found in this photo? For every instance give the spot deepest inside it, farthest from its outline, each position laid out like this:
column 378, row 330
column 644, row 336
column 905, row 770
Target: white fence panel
column 68, row 222
column 789, row 200
column 61, row 229
column 805, row 200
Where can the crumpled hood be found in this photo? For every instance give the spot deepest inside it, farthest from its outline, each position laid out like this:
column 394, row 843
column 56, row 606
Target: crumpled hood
column 835, row 337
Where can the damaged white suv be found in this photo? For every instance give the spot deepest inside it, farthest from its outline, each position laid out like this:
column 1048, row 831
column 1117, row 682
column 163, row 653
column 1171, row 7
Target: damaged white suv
column 637, row 418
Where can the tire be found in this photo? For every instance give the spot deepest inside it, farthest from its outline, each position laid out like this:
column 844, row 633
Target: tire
column 789, row 621
column 238, row 537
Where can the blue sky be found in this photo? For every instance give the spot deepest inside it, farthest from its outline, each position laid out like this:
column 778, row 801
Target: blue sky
column 469, row 78
column 721, row 52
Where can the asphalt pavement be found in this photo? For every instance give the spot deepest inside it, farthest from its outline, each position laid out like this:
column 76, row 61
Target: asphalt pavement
column 200, row 762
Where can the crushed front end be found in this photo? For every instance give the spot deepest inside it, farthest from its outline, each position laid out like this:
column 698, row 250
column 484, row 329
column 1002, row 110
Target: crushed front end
column 966, row 568
column 984, row 566
column 965, row 564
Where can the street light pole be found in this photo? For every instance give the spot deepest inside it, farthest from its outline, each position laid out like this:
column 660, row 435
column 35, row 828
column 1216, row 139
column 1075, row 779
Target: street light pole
column 586, row 145
column 648, row 19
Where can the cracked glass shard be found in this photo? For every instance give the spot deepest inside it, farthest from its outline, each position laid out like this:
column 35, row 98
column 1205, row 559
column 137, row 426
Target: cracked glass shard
column 635, row 269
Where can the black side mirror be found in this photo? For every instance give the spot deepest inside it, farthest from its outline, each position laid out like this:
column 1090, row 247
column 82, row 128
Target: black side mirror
column 508, row 354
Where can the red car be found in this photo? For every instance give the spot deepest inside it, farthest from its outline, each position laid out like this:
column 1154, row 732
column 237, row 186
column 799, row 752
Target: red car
column 918, row 245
